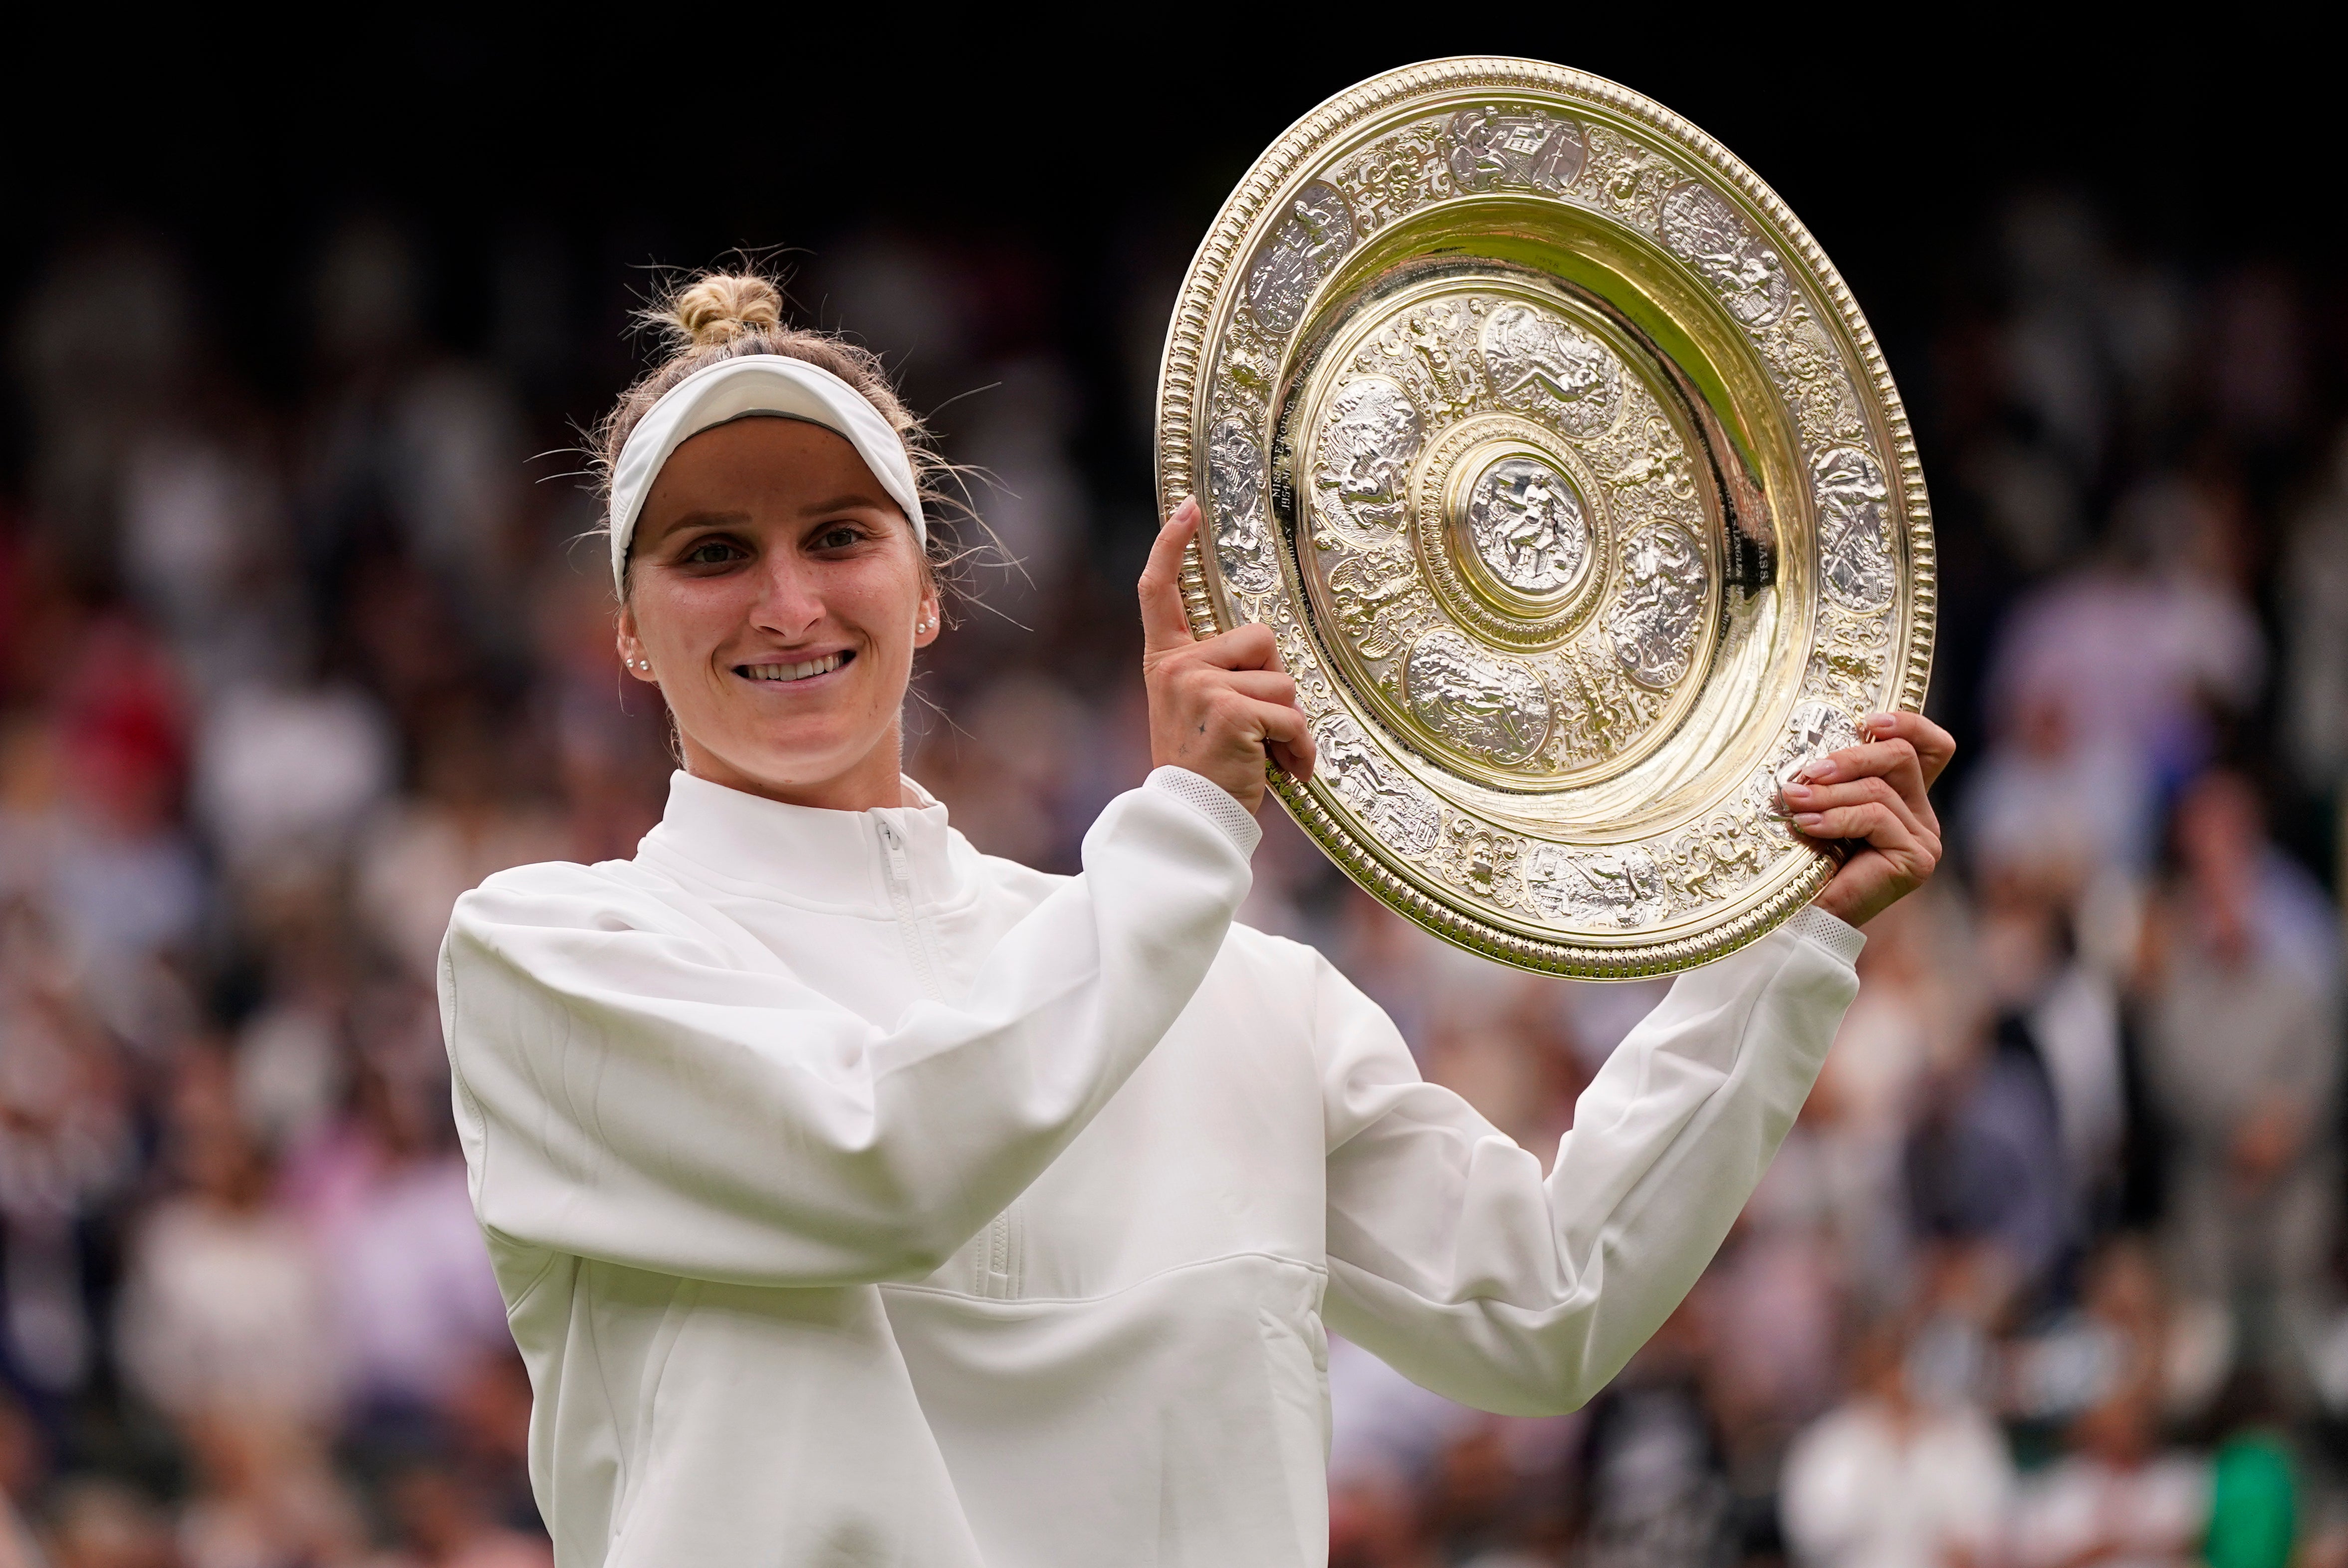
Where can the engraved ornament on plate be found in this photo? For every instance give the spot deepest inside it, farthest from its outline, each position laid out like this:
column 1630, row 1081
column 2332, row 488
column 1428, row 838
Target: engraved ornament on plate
column 1854, row 546
column 1699, row 224
column 1347, row 758
column 1235, row 484
column 1617, row 889
column 1494, row 149
column 1543, row 364
column 1654, row 624
column 1304, row 248
column 1489, row 706
column 1527, row 526
column 1368, row 438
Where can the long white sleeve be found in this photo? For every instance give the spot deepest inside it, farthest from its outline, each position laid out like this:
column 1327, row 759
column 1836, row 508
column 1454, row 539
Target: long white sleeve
column 1451, row 1257
column 629, row 1091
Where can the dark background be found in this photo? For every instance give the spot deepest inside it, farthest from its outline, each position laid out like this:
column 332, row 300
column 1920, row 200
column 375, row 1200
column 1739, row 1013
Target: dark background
column 576, row 160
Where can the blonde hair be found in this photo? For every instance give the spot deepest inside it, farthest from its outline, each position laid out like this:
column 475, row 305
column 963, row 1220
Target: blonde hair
column 722, row 315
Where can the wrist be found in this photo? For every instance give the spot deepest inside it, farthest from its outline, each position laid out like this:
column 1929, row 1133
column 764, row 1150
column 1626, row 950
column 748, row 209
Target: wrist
column 1210, row 800
column 1823, row 927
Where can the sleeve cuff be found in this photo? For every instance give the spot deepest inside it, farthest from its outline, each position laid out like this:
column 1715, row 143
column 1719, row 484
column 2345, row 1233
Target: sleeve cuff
column 1215, row 803
column 1843, row 941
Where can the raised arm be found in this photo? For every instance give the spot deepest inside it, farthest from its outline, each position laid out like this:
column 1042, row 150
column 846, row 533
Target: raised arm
column 1451, row 1256
column 1452, row 1259
column 629, row 1091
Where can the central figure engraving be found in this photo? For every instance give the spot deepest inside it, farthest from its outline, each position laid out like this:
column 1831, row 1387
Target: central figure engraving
column 1527, row 526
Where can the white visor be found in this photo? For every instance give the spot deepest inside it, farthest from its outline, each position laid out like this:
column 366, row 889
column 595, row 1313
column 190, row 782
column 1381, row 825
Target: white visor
column 741, row 388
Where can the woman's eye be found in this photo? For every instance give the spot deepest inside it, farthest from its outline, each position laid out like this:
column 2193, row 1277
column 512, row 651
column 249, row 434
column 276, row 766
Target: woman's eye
column 710, row 553
column 838, row 537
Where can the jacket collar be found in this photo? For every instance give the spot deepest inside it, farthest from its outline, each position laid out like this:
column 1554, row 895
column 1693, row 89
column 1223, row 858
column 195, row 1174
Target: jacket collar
column 807, row 855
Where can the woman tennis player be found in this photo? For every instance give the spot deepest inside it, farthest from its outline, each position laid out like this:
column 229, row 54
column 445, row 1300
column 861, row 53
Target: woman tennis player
column 860, row 1199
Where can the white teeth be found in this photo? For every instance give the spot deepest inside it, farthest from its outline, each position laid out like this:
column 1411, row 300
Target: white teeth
column 799, row 672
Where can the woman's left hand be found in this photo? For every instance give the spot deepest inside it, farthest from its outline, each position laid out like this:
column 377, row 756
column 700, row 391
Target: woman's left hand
column 1874, row 795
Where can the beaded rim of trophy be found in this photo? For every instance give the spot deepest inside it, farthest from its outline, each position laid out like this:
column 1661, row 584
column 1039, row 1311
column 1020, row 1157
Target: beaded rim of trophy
column 1575, row 490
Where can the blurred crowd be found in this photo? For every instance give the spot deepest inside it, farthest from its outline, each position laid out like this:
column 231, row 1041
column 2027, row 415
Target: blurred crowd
column 2051, row 1272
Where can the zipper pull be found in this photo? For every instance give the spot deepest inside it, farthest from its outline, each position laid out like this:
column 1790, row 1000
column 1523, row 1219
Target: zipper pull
column 899, row 867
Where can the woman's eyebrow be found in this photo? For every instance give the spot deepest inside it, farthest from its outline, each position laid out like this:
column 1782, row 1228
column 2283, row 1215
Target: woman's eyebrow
column 850, row 501
column 702, row 520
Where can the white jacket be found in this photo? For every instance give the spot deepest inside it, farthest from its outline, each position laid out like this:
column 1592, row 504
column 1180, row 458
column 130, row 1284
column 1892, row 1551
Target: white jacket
column 860, row 1199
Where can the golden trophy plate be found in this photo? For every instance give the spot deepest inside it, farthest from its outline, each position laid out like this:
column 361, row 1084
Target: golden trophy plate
column 1566, row 472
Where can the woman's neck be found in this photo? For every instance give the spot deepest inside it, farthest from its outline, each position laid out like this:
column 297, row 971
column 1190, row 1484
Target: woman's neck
column 875, row 782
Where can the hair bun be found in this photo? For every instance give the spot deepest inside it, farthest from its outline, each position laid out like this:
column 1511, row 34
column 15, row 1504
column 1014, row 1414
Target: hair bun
column 718, row 307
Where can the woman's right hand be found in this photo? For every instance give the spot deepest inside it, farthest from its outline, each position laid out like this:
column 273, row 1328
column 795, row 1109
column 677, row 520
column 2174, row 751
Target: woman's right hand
column 1218, row 705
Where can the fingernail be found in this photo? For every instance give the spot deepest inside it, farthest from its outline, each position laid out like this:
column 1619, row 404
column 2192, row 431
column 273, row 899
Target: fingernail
column 1882, row 723
column 1797, row 791
column 1810, row 822
column 1820, row 771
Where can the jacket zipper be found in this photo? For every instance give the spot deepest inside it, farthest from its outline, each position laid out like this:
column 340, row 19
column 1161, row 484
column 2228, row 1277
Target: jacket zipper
column 909, row 921
column 997, row 1263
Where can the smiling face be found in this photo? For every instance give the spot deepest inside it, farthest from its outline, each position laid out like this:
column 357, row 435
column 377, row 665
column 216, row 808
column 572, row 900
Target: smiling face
column 778, row 595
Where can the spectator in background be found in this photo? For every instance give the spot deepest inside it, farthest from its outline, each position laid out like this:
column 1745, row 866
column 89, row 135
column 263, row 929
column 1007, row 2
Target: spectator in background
column 68, row 1156
column 1893, row 1481
column 2115, row 1500
column 443, row 1524
column 1768, row 1315
column 226, row 1330
column 2254, row 1503
column 266, row 1496
column 2241, row 992
column 96, row 1523
column 20, row 1467
column 285, row 774
column 2314, row 593
column 1985, row 1170
column 1653, row 1477
column 292, row 1068
column 486, row 1427
column 125, row 888
column 225, row 1312
column 1874, row 1084
column 415, row 1299
column 2060, row 1014
column 2157, row 635
column 2122, row 1340
column 467, row 821
column 2059, row 797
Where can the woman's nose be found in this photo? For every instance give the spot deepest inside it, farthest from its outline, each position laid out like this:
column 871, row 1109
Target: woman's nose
column 789, row 603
